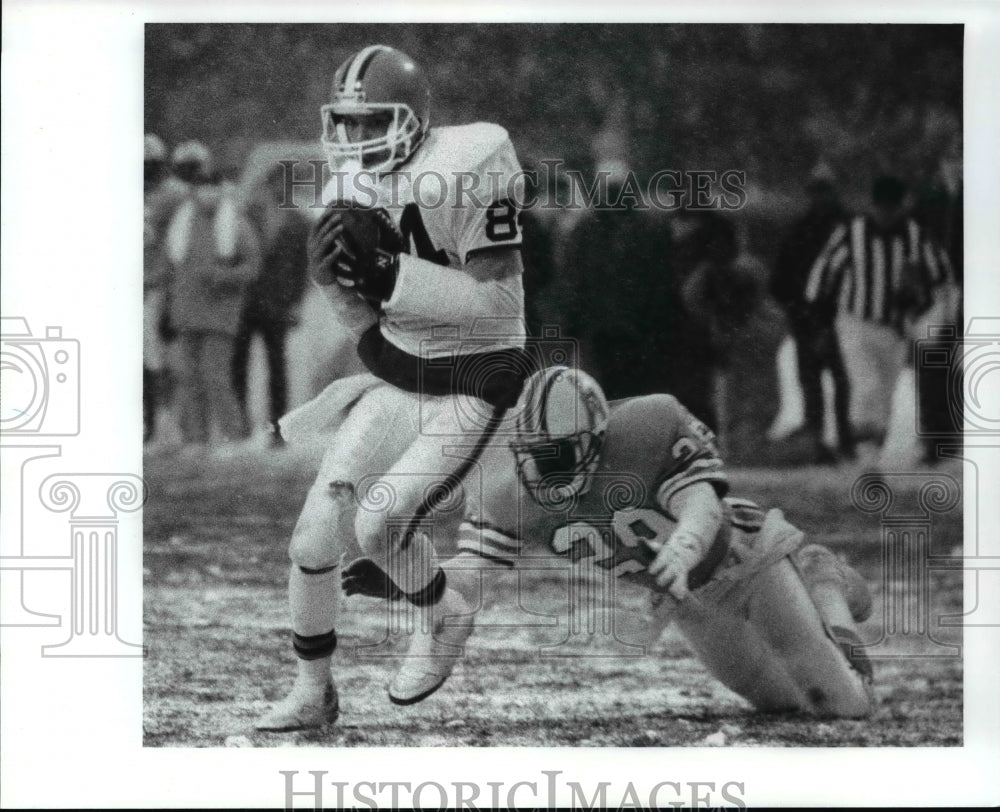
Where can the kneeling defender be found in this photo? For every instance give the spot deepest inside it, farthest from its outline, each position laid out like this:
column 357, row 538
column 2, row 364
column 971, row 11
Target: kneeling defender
column 638, row 489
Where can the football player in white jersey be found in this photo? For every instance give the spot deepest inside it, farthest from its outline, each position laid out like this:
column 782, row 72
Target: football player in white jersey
column 636, row 490
column 428, row 277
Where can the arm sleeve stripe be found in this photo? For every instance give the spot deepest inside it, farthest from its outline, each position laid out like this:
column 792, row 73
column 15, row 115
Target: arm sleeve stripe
column 501, row 542
column 472, row 537
column 492, row 249
column 709, row 470
column 504, row 562
column 482, row 524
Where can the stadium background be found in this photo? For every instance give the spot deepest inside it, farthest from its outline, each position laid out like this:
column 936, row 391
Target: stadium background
column 766, row 99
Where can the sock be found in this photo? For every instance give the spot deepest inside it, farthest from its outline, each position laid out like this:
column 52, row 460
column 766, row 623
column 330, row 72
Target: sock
column 314, row 598
column 430, row 594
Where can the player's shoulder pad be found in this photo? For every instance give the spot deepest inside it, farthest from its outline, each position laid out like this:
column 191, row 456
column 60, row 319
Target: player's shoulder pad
column 480, row 148
column 651, row 414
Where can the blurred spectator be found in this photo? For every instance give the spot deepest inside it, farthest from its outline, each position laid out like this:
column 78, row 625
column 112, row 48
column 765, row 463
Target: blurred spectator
column 617, row 297
column 812, row 326
column 161, row 194
column 273, row 298
column 939, row 209
column 882, row 271
column 215, row 256
column 538, row 249
column 707, row 311
column 752, row 327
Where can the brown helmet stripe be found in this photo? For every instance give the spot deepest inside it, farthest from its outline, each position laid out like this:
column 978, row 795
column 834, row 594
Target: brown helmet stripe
column 356, row 72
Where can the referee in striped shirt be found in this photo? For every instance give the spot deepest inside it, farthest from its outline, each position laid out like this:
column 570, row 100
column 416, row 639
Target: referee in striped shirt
column 882, row 267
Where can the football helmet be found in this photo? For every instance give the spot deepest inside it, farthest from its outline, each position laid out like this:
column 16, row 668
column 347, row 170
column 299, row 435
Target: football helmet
column 560, row 427
column 385, row 92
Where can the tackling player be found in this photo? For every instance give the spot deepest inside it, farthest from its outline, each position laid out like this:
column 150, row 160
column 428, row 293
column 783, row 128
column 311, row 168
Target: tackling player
column 413, row 272
column 637, row 490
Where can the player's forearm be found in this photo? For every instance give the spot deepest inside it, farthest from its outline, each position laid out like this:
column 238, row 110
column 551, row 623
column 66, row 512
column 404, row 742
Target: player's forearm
column 351, row 311
column 699, row 515
column 449, row 295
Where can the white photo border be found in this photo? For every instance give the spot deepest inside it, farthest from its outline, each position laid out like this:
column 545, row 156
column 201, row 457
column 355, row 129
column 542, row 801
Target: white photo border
column 70, row 732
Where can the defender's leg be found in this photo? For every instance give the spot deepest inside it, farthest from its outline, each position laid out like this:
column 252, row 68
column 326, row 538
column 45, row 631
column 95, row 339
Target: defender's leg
column 738, row 655
column 806, row 622
column 780, row 640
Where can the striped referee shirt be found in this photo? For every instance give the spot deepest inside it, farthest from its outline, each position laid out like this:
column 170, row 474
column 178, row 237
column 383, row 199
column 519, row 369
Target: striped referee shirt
column 876, row 274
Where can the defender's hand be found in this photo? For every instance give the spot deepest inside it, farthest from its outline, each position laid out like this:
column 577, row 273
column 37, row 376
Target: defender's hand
column 674, row 561
column 364, row 577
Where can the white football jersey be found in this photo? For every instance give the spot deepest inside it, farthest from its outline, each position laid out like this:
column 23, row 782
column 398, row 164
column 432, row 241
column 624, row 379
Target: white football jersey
column 455, row 198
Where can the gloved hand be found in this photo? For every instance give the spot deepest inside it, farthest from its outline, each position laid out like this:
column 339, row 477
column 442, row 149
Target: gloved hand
column 364, row 577
column 357, row 247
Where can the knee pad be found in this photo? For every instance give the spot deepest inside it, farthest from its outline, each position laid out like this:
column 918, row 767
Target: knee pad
column 381, row 514
column 325, row 527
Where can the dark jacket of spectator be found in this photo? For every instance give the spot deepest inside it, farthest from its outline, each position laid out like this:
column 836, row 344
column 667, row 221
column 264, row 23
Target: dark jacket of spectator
column 803, row 242
column 278, row 290
column 620, row 299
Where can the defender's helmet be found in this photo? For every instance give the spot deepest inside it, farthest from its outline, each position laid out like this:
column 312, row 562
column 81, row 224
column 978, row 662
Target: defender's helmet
column 560, row 431
column 386, row 89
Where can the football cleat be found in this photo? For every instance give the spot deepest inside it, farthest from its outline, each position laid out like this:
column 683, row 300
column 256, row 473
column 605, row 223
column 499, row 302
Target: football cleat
column 432, row 657
column 303, row 709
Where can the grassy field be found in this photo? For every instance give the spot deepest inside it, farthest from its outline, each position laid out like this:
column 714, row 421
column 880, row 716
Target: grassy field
column 216, row 626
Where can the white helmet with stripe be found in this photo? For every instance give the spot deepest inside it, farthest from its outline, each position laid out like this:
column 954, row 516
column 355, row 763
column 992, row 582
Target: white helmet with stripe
column 384, row 88
column 560, row 427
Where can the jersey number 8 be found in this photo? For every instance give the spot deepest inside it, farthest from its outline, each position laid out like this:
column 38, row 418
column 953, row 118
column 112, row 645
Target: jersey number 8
column 502, row 221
